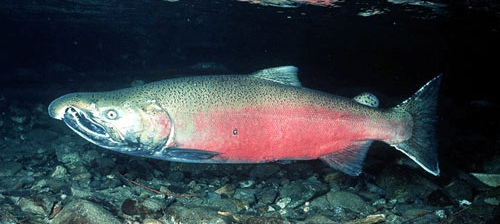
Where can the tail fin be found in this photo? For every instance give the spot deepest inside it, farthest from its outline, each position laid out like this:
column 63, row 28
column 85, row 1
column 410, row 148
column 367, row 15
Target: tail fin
column 422, row 146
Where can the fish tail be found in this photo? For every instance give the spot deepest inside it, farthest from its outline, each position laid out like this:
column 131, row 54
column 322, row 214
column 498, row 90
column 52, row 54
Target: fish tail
column 422, row 146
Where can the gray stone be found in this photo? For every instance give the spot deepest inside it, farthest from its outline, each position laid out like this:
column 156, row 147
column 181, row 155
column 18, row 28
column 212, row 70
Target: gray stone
column 181, row 214
column 10, row 168
column 459, row 190
column 268, row 195
column 245, row 194
column 283, row 202
column 262, row 171
column 349, row 201
column 35, row 205
column 59, row 172
column 403, row 185
column 82, row 211
column 302, row 191
column 320, row 202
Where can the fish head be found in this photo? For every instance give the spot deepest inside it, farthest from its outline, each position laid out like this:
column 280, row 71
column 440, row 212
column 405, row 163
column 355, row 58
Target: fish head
column 115, row 123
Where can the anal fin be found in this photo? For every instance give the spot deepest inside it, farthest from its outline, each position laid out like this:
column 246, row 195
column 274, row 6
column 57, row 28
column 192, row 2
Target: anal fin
column 348, row 160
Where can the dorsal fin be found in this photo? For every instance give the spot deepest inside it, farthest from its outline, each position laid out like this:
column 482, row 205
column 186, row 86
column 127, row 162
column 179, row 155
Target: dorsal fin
column 286, row 75
column 367, row 99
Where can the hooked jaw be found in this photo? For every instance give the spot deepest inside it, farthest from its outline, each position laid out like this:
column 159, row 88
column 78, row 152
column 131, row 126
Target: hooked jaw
column 77, row 115
column 81, row 122
column 91, row 128
column 57, row 109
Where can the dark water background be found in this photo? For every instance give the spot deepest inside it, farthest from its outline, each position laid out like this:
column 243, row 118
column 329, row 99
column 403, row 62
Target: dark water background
column 49, row 48
column 52, row 47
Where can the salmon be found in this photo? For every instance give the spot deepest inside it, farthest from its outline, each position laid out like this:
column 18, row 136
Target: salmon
column 261, row 117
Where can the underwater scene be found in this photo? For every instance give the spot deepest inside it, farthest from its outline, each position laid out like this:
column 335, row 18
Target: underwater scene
column 249, row 111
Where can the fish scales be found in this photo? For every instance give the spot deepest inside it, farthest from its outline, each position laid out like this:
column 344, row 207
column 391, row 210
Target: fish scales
column 261, row 117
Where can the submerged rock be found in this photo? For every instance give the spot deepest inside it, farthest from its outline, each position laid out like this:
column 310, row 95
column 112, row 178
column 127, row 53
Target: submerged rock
column 348, row 200
column 35, row 205
column 82, row 211
column 10, row 168
column 492, row 180
column 183, row 214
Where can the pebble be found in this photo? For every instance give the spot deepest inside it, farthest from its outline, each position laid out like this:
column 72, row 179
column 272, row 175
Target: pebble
column 226, row 189
column 283, row 202
column 247, row 183
column 59, row 172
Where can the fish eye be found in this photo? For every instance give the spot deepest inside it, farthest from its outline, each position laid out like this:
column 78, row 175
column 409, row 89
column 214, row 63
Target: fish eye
column 111, row 114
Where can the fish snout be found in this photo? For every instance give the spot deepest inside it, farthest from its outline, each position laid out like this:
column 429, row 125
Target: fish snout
column 57, row 108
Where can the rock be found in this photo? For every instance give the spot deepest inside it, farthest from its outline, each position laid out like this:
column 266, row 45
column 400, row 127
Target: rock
column 475, row 213
column 80, row 173
column 459, row 190
column 262, row 171
column 302, row 190
column 415, row 210
column 10, row 169
column 402, row 184
column 441, row 198
column 147, row 207
column 492, row 180
column 268, row 195
column 181, row 214
column 266, row 220
column 226, row 189
column 227, row 205
column 66, row 149
column 90, row 155
column 348, row 200
column 377, row 218
column 82, row 211
column 175, row 176
column 283, row 202
column 151, row 221
column 245, row 194
column 318, row 219
column 491, row 197
column 335, row 177
column 35, row 205
column 320, row 203
column 51, row 184
column 246, row 183
column 59, row 172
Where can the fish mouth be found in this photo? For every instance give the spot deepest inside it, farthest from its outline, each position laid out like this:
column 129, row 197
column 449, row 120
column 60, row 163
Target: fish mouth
column 88, row 127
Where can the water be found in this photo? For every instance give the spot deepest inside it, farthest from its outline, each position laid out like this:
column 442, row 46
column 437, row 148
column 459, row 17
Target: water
column 50, row 48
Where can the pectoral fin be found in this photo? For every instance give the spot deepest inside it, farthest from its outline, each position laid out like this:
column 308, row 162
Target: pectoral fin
column 177, row 155
column 189, row 155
